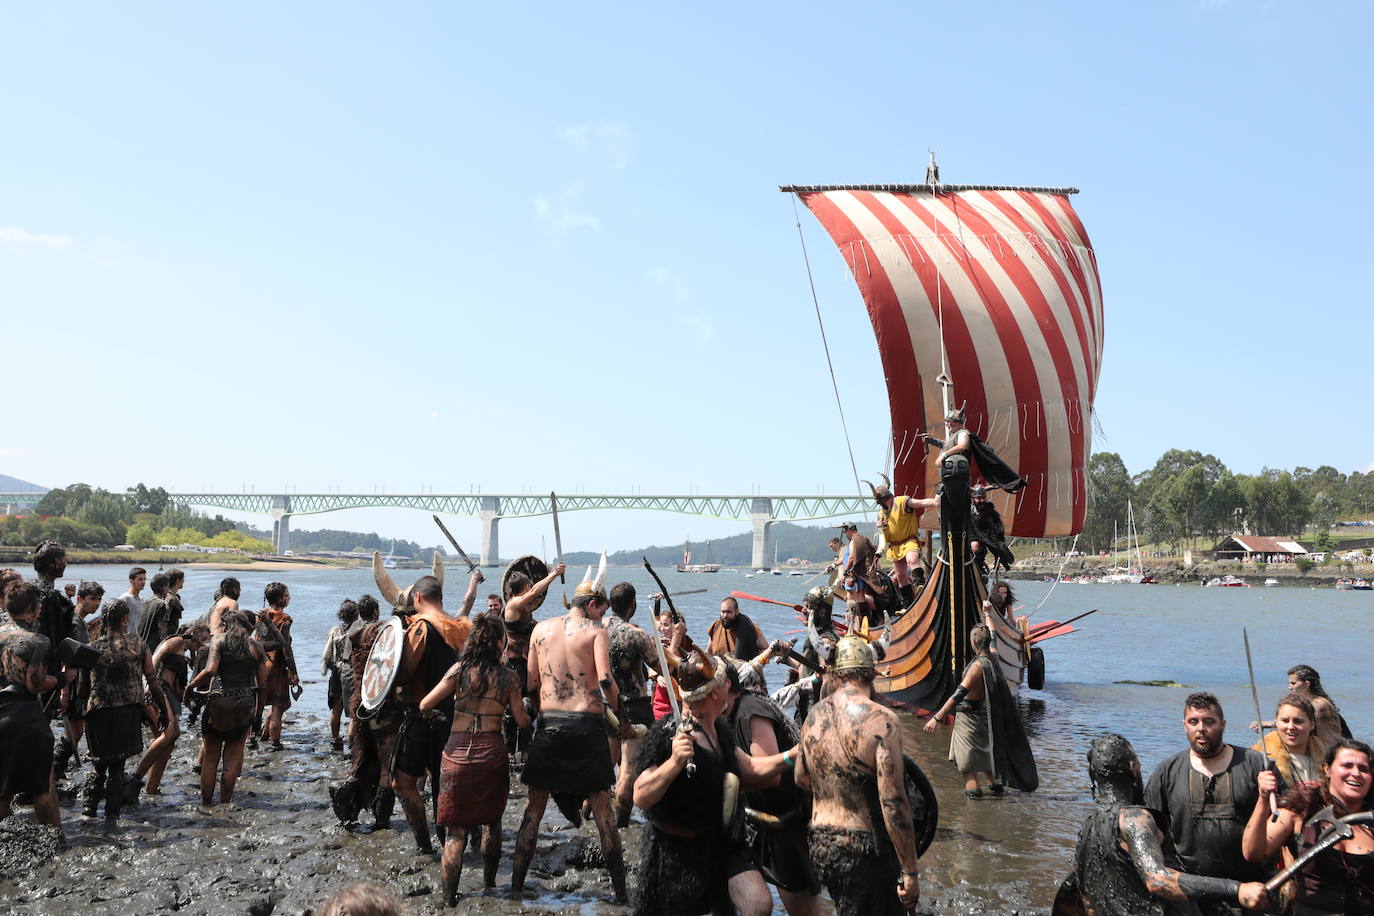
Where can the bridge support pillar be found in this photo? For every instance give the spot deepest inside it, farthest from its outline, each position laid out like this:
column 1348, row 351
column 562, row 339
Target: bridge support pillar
column 761, row 514
column 490, row 513
column 281, row 524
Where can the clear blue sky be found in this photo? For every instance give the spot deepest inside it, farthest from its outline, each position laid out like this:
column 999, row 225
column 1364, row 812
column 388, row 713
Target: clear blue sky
column 338, row 245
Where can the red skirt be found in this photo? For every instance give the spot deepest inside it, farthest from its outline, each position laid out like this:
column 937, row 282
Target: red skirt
column 474, row 780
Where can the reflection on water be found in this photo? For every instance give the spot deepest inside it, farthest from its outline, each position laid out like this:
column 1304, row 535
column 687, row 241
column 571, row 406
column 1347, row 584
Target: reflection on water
column 1021, row 844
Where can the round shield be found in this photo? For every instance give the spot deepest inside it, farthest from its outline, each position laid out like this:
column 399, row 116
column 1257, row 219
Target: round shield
column 382, row 663
column 531, row 566
column 925, row 807
column 885, row 594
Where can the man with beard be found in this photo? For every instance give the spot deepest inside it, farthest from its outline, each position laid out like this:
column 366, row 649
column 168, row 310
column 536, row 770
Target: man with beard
column 862, row 838
column 1205, row 796
column 631, row 650
column 570, row 669
column 25, row 739
column 857, row 575
column 1123, row 864
column 734, row 634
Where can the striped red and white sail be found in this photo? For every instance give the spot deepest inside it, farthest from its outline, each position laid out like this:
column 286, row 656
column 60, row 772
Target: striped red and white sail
column 1008, row 278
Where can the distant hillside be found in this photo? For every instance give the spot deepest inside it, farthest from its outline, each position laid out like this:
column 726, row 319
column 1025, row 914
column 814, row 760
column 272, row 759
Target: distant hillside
column 805, row 542
column 15, row 485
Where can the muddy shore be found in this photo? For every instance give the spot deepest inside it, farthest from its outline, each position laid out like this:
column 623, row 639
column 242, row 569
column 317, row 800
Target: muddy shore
column 278, row 849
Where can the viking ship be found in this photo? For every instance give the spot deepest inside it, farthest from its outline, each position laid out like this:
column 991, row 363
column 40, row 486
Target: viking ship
column 986, row 297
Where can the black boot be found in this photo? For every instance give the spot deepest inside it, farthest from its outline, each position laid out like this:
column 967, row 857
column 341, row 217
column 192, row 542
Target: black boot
column 114, row 791
column 907, row 595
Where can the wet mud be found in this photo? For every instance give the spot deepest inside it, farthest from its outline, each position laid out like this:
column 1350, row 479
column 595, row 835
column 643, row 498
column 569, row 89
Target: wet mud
column 278, row 849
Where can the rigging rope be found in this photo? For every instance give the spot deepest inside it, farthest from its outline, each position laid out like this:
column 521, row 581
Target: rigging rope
column 1057, row 576
column 815, row 300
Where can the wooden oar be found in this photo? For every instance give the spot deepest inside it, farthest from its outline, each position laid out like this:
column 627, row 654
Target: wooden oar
column 737, row 594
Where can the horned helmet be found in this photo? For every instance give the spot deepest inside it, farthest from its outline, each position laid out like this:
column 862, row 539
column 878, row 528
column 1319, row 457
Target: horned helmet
column 957, row 415
column 400, row 597
column 883, row 491
column 593, row 586
column 699, row 675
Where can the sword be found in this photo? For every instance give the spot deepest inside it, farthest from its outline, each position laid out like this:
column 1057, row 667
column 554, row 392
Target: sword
column 558, row 544
column 663, row 659
column 454, row 542
column 1259, row 717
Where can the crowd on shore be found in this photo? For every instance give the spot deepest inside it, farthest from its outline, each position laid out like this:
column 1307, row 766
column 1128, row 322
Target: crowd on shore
column 804, row 790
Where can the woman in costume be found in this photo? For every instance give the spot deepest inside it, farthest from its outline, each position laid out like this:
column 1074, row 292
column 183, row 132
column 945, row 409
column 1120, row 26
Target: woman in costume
column 281, row 663
column 171, row 662
column 988, row 737
column 235, row 669
column 1293, row 745
column 112, row 692
column 1305, row 681
column 475, row 774
column 1339, row 880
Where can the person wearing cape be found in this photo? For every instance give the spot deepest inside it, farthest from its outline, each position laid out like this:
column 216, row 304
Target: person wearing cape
column 988, row 737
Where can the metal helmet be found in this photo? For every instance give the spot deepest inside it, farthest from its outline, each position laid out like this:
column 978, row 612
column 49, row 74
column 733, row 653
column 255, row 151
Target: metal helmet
column 820, row 596
column 853, row 653
column 956, row 415
column 977, row 491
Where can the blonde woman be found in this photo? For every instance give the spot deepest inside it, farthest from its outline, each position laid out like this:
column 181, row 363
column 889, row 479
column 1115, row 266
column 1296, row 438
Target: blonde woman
column 1293, row 745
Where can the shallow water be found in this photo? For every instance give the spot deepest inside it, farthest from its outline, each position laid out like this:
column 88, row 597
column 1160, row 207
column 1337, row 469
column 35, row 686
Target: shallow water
column 991, row 855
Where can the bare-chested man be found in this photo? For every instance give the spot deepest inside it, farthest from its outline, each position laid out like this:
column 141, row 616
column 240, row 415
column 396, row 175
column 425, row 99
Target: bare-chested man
column 631, row 650
column 570, row 669
column 228, row 600
column 863, row 842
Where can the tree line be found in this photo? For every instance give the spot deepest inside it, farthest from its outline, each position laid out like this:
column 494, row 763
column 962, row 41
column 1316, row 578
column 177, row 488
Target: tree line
column 1187, row 495
column 80, row 515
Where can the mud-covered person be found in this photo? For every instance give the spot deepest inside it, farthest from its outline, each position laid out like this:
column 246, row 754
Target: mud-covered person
column 862, row 838
column 570, row 671
column 88, row 599
column 112, row 693
column 694, row 858
column 1124, row 864
column 632, row 650
column 362, row 789
column 25, row 738
column 1205, row 795
column 475, row 775
column 226, row 600
column 172, row 662
column 335, row 665
column 57, row 618
column 778, row 843
column 153, row 624
column 235, row 669
column 518, row 615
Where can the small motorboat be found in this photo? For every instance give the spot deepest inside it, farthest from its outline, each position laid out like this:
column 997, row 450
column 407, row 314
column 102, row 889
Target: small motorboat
column 1344, row 585
column 1271, row 582
column 1362, row 585
column 1226, row 582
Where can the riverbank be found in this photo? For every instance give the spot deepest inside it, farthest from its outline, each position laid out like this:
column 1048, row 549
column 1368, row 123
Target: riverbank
column 278, row 849
column 22, row 558
column 1173, row 572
